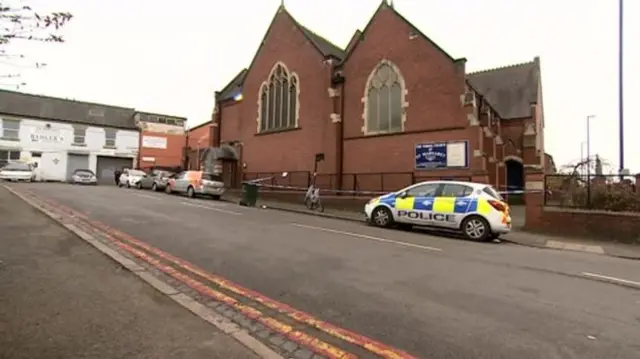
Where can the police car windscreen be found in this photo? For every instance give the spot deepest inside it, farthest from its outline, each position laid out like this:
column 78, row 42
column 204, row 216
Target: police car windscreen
column 492, row 192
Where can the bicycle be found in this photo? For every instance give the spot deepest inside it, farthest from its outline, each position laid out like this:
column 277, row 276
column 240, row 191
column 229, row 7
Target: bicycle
column 312, row 199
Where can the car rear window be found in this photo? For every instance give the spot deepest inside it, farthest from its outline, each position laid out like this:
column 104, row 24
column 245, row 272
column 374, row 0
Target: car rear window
column 492, row 192
column 456, row 190
column 212, row 177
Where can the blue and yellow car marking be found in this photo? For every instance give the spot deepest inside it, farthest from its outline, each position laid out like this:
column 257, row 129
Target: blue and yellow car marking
column 446, row 205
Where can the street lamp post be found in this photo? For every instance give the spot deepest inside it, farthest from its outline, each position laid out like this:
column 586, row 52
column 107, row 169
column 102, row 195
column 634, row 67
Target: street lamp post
column 582, row 157
column 621, row 88
column 589, row 159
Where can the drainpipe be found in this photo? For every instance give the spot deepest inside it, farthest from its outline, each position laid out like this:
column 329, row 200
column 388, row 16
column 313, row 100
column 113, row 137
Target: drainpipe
column 340, row 156
column 217, row 122
column 136, row 118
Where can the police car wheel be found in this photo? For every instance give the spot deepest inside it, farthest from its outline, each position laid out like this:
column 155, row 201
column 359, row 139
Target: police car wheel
column 382, row 217
column 477, row 229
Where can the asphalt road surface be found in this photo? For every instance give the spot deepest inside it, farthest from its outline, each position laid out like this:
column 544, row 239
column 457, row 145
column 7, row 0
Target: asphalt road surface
column 434, row 297
column 61, row 298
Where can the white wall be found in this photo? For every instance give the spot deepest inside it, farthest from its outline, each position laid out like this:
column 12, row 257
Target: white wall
column 53, row 163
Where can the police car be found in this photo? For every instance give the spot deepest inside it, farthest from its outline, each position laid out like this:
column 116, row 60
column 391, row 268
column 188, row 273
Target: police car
column 475, row 209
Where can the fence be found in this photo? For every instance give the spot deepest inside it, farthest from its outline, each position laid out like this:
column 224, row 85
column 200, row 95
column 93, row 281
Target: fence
column 596, row 192
column 356, row 182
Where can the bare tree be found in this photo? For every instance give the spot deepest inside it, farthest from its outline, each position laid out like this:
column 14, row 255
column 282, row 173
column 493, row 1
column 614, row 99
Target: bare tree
column 19, row 22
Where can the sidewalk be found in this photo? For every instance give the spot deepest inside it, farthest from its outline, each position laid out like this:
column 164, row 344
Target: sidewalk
column 61, row 298
column 517, row 236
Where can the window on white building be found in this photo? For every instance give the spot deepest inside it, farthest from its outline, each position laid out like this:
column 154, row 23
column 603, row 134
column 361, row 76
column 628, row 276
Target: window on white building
column 279, row 100
column 79, row 135
column 110, row 137
column 11, row 130
column 384, row 100
column 8, row 156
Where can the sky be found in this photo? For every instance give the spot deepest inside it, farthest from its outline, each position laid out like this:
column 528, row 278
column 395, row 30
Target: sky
column 169, row 57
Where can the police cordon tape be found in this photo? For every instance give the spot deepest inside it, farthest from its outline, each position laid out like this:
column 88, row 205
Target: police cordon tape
column 258, row 183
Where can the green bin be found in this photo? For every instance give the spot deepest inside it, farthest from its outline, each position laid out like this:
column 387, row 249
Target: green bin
column 249, row 194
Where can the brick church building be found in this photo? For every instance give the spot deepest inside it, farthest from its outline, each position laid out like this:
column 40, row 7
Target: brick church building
column 391, row 108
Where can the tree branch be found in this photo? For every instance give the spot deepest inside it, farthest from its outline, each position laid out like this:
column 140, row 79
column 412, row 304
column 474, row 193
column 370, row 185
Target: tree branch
column 19, row 22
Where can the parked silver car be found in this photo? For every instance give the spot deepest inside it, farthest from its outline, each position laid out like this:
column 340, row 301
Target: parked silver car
column 194, row 183
column 84, row 176
column 156, row 180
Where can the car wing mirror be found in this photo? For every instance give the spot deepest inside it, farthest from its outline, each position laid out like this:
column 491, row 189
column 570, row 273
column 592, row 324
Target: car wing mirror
column 402, row 194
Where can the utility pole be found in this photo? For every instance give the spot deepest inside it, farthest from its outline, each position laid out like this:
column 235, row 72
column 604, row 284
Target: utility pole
column 621, row 88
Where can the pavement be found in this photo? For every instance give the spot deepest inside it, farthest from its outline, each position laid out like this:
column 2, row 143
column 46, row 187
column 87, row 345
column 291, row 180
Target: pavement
column 517, row 236
column 335, row 286
column 60, row 298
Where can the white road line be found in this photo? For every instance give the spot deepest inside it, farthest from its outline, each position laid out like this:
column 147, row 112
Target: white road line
column 364, row 236
column 612, row 279
column 147, row 196
column 211, row 208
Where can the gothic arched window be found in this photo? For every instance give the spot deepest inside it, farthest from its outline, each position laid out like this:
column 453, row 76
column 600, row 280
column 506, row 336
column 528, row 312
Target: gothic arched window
column 278, row 102
column 384, row 100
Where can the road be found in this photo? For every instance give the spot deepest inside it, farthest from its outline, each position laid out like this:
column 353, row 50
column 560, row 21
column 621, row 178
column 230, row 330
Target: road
column 61, row 298
column 433, row 297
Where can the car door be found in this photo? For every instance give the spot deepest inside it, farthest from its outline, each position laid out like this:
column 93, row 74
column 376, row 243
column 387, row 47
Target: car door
column 451, row 204
column 124, row 177
column 147, row 181
column 423, row 197
column 182, row 182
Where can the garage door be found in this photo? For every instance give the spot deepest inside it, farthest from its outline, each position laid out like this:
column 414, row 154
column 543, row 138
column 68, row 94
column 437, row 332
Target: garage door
column 76, row 162
column 106, row 167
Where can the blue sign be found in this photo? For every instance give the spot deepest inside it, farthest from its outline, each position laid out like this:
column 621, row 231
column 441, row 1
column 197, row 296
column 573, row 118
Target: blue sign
column 442, row 155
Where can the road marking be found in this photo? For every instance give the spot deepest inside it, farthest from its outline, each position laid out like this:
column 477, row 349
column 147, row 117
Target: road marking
column 364, row 236
column 612, row 279
column 119, row 238
column 284, row 329
column 212, row 208
column 147, row 196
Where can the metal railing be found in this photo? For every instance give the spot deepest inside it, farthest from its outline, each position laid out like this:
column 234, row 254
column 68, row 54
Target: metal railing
column 351, row 182
column 595, row 192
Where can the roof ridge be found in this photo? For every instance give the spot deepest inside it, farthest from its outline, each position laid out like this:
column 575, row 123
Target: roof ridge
column 312, row 36
column 49, row 97
column 502, row 67
column 233, row 80
column 321, row 37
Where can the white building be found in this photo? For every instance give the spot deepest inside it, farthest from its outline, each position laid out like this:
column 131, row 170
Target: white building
column 61, row 136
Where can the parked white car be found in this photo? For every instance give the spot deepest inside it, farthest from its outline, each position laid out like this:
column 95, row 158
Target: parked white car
column 17, row 171
column 130, row 178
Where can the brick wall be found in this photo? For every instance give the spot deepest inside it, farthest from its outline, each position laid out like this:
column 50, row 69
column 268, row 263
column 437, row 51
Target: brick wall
column 171, row 156
column 200, row 136
column 600, row 225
